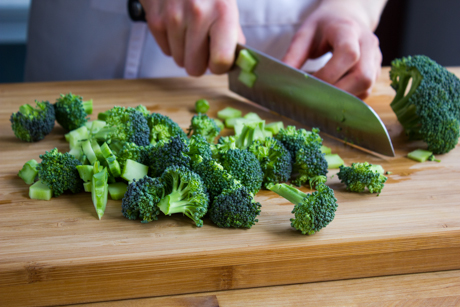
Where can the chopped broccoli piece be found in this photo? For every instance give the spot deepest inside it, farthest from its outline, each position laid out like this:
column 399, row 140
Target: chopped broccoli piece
column 185, row 193
column 430, row 111
column 75, row 137
column 274, row 127
column 173, row 152
column 231, row 122
column 219, row 124
column 228, row 113
column 201, row 106
column 40, row 191
column 59, row 173
column 133, row 152
column 33, row 124
column 247, row 78
column 162, row 128
column 72, row 112
column 134, row 170
column 252, row 130
column 358, row 176
column 99, row 191
column 29, row 172
column 333, row 161
column 205, row 126
column 246, row 60
column 86, row 172
column 313, row 211
column 235, row 208
column 117, row 190
column 142, row 198
column 252, row 116
column 421, row 155
column 326, row 150
column 274, row 158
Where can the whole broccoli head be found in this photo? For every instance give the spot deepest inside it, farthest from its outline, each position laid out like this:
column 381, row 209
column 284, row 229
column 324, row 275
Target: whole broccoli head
column 205, row 126
column 234, row 207
column 358, row 176
column 124, row 125
column 170, row 153
column 163, row 128
column 214, row 176
column 184, row 193
column 142, row 198
column 313, row 211
column 430, row 110
column 33, row 124
column 199, row 146
column 244, row 167
column 274, row 158
column 58, row 171
column 71, row 111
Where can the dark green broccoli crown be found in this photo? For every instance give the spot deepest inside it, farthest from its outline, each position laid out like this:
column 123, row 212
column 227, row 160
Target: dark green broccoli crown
column 125, row 125
column 184, row 193
column 224, row 143
column 70, row 111
column 244, row 167
column 235, row 208
column 205, row 126
column 33, row 124
column 199, row 146
column 430, row 110
column 294, row 139
column 133, row 152
column 142, row 198
column 358, row 176
column 163, row 128
column 315, row 211
column 169, row 153
column 214, row 176
column 309, row 163
column 274, row 159
column 59, row 172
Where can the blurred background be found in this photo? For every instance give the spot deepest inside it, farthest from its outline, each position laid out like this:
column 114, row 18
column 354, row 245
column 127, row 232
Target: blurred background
column 407, row 27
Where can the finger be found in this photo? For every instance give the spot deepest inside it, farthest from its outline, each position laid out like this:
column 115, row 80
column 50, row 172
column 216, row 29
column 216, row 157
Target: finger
column 363, row 75
column 298, row 51
column 223, row 38
column 196, row 39
column 175, row 29
column 345, row 54
column 156, row 24
column 241, row 37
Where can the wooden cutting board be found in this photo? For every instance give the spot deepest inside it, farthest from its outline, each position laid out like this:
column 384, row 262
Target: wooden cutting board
column 58, row 252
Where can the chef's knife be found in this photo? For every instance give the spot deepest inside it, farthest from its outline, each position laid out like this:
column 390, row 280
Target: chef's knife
column 310, row 101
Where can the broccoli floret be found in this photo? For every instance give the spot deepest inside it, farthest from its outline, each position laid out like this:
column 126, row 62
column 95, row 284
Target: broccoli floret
column 236, row 208
column 58, row 171
column 124, row 125
column 244, row 167
column 199, row 146
column 214, row 176
column 173, row 152
column 274, row 159
column 33, row 124
column 430, row 111
column 185, row 193
column 294, row 139
column 142, row 198
column 163, row 128
column 313, row 211
column 205, row 126
column 71, row 111
column 358, row 176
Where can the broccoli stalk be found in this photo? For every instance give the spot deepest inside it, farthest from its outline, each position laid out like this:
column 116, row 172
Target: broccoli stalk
column 313, row 211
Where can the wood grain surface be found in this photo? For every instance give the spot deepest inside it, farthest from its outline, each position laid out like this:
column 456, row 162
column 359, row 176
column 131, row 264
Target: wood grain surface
column 58, row 252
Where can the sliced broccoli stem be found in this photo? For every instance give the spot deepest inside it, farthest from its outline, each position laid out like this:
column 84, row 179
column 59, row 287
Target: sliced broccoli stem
column 88, row 106
column 292, row 194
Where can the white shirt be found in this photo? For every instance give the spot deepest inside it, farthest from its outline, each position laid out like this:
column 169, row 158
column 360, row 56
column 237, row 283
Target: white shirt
column 95, row 39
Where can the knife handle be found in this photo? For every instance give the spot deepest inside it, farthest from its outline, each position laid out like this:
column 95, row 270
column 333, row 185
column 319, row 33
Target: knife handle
column 136, row 11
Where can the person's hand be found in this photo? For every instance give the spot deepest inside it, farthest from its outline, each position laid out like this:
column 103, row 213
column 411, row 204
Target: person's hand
column 346, row 30
column 197, row 34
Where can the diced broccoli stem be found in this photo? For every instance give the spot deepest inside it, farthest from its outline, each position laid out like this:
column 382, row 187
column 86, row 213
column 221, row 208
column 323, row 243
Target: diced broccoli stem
column 117, row 190
column 40, row 191
column 97, row 150
column 420, row 155
column 134, row 170
column 275, row 127
column 219, row 123
column 289, row 192
column 103, row 116
column 85, row 172
column 114, row 166
column 229, row 112
column 29, row 172
column 89, row 152
column 246, row 61
column 201, row 106
column 88, row 106
column 333, row 161
column 326, row 150
column 230, row 122
column 247, row 78
column 97, row 125
column 99, row 192
column 106, row 151
column 87, row 186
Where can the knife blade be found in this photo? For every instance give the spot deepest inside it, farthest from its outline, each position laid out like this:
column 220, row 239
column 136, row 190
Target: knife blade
column 298, row 95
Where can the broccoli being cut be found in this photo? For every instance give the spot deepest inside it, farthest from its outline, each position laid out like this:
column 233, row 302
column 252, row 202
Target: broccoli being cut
column 72, row 112
column 33, row 124
column 184, row 193
column 358, row 176
column 58, row 171
column 203, row 125
column 430, row 110
column 312, row 212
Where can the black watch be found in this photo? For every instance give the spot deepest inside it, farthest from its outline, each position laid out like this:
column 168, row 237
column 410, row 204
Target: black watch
column 136, row 11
